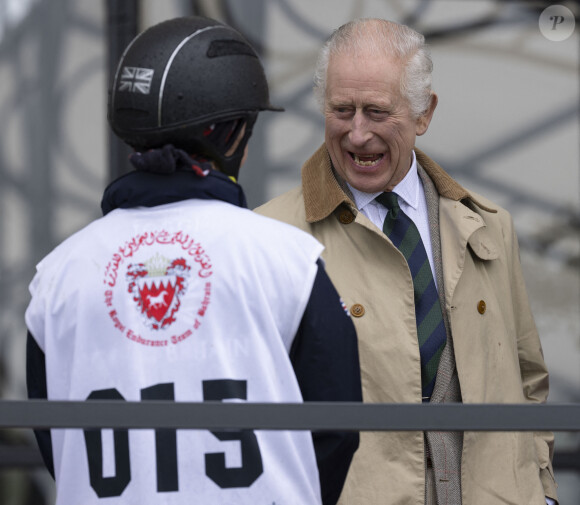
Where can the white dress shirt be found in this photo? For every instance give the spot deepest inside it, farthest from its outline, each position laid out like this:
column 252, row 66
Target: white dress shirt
column 412, row 202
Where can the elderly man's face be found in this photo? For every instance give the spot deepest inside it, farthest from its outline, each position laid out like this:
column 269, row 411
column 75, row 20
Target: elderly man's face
column 370, row 131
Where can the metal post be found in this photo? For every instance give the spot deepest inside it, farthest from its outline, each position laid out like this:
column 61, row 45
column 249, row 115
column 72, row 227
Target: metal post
column 253, row 174
column 122, row 27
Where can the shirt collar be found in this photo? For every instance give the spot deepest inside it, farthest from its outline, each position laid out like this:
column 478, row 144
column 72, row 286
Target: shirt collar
column 407, row 189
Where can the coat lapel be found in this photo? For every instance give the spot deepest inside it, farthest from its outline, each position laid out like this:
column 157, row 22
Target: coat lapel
column 453, row 226
column 460, row 226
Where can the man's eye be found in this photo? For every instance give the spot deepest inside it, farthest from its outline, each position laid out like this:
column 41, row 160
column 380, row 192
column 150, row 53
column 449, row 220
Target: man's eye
column 343, row 112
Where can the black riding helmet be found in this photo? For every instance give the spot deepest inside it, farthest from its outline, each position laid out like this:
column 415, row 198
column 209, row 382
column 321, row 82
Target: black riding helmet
column 178, row 78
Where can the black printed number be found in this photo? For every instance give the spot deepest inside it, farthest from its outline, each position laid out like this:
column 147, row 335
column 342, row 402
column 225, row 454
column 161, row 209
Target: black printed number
column 165, row 442
column 166, row 445
column 108, row 486
column 215, row 463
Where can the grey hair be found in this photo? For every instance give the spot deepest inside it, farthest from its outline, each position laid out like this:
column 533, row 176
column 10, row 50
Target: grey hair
column 382, row 37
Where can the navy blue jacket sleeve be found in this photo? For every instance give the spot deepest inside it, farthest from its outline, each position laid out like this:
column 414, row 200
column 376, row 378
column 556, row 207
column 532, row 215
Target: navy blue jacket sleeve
column 36, row 384
column 325, row 358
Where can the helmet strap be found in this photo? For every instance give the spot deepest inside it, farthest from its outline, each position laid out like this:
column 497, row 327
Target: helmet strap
column 230, row 165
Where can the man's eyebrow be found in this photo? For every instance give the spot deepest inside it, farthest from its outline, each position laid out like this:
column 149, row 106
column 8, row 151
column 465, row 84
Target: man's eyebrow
column 340, row 100
column 339, row 104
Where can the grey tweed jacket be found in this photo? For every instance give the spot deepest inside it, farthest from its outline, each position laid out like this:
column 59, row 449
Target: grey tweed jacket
column 443, row 479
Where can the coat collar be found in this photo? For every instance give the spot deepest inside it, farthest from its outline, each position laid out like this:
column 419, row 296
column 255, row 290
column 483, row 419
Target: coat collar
column 324, row 191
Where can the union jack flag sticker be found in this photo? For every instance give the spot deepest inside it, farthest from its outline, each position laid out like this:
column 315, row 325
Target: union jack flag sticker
column 136, row 80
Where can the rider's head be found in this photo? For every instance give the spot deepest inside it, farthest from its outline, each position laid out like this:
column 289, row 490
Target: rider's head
column 191, row 82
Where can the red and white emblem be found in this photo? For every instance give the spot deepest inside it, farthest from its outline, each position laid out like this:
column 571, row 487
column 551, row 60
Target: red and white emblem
column 157, row 286
column 158, row 270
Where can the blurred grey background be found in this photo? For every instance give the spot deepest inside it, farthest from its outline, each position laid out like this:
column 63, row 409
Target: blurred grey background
column 507, row 126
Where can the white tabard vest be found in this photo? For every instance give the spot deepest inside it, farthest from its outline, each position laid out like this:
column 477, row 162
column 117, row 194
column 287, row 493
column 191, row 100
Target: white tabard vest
column 190, row 301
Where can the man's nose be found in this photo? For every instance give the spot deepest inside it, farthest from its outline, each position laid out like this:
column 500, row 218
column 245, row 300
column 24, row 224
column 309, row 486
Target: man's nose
column 360, row 132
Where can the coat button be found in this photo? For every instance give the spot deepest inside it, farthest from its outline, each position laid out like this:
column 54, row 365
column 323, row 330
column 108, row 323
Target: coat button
column 346, row 217
column 481, row 307
column 357, row 310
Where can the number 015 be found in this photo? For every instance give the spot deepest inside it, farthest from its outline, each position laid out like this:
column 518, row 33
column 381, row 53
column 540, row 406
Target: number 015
column 166, row 445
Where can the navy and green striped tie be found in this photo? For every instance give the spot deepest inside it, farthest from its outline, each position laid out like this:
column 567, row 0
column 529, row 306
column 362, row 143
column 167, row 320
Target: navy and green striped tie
column 430, row 327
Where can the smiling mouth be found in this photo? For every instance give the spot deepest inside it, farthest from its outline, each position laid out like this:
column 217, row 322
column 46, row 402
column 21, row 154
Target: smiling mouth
column 366, row 160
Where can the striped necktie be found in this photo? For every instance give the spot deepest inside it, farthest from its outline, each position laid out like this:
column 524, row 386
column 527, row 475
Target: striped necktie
column 430, row 327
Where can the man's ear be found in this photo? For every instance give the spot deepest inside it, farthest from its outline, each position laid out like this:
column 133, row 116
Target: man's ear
column 424, row 121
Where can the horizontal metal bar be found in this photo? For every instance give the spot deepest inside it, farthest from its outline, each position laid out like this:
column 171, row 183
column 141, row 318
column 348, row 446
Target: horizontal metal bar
column 567, row 460
column 28, row 457
column 289, row 416
column 20, row 456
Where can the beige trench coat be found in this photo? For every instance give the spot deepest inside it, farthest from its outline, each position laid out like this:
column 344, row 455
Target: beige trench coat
column 497, row 350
